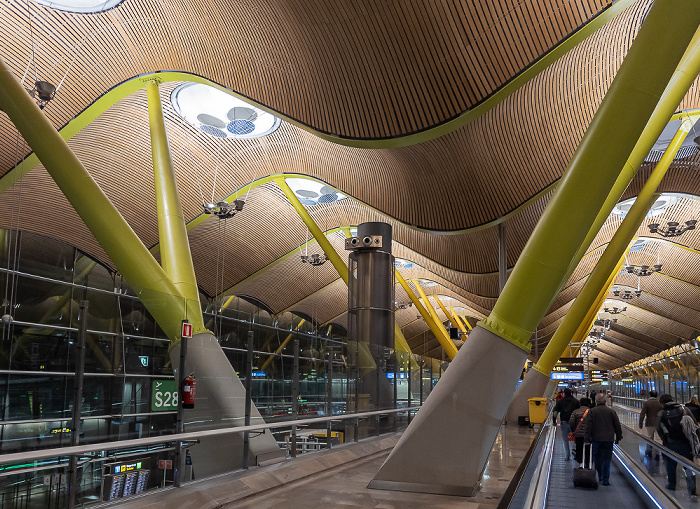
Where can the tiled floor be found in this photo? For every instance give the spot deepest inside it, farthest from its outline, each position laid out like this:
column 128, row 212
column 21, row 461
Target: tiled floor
column 342, row 486
column 346, row 487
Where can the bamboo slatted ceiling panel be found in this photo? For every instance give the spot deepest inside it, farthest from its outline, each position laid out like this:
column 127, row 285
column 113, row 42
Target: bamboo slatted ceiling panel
column 450, row 56
column 475, row 180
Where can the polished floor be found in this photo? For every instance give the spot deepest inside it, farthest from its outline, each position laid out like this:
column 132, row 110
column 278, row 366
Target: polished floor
column 343, row 483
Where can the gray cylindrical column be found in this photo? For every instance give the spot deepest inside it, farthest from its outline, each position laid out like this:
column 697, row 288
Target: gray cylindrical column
column 371, row 286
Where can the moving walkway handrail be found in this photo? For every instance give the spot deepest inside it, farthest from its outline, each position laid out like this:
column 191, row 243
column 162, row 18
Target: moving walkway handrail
column 507, row 497
column 192, row 436
column 537, row 494
column 685, row 462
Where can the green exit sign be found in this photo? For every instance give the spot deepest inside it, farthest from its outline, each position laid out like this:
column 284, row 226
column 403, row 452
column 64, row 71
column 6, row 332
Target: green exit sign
column 164, row 395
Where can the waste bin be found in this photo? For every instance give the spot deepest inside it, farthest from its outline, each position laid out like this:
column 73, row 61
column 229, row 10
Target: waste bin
column 538, row 410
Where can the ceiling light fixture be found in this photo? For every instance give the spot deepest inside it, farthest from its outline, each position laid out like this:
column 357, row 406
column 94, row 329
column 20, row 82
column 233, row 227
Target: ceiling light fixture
column 627, row 294
column 615, row 310
column 672, row 229
column 224, row 209
column 643, row 270
column 314, row 259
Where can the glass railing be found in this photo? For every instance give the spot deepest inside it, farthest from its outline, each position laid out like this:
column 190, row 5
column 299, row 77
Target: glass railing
column 115, row 470
column 656, row 461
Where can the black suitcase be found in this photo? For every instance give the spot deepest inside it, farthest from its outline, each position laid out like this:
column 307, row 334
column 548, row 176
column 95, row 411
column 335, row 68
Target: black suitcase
column 586, row 476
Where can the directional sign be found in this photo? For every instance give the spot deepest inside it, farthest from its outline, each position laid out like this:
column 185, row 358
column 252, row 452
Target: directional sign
column 186, row 330
column 571, row 360
column 164, row 395
column 567, row 376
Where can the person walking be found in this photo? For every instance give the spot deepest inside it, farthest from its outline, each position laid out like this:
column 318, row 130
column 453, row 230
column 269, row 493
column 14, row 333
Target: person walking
column 669, row 425
column 565, row 407
column 576, row 424
column 694, row 407
column 648, row 416
column 602, row 429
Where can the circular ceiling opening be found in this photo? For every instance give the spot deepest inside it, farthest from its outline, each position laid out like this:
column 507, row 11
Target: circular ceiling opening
column 312, row 192
column 83, row 6
column 659, row 207
column 219, row 114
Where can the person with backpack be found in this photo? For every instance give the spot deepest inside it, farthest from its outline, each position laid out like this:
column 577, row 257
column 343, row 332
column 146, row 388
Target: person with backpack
column 670, row 426
column 602, row 428
column 565, row 407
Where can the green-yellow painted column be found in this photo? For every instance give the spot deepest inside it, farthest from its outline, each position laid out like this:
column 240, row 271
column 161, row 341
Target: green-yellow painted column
column 589, row 298
column 445, row 341
column 593, row 170
column 680, row 82
column 175, row 254
column 105, row 222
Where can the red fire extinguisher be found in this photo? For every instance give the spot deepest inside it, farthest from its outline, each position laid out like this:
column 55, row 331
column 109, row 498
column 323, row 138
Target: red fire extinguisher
column 189, row 388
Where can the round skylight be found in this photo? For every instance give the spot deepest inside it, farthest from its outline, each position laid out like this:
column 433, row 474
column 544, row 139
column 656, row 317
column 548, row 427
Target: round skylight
column 84, row 6
column 312, row 192
column 426, row 283
column 659, row 207
column 639, row 244
column 400, row 263
column 219, row 114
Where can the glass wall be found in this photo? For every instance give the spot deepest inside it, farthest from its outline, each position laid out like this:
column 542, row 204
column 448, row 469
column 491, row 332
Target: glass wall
column 43, row 282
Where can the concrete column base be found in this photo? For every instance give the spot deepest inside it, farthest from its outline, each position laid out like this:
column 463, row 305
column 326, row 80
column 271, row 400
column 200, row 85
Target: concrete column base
column 446, row 447
column 533, row 385
column 220, row 403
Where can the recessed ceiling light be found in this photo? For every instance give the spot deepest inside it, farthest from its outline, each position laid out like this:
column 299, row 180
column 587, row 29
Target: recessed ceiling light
column 84, row 6
column 312, row 192
column 219, row 114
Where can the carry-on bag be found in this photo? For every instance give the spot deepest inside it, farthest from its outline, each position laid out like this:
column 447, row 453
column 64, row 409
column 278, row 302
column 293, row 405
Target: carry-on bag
column 586, row 476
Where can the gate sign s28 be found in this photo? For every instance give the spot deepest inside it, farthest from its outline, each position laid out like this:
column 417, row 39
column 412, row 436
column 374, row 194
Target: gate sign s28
column 164, row 395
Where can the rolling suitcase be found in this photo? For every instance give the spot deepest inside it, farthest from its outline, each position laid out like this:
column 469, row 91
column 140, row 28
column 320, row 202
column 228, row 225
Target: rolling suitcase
column 586, row 476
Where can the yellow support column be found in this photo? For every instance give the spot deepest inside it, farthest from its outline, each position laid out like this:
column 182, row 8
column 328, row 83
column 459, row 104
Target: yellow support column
column 122, row 245
column 457, row 320
column 175, row 254
column 431, row 309
column 445, row 341
column 451, row 318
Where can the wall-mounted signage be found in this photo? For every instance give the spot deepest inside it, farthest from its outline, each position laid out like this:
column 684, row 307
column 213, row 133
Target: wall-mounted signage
column 567, row 376
column 164, row 395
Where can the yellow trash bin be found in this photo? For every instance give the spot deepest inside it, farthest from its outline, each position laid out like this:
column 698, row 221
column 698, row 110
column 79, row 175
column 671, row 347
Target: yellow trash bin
column 538, row 410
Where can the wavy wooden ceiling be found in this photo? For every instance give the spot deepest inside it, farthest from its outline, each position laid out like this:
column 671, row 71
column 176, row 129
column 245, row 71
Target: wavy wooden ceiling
column 364, row 70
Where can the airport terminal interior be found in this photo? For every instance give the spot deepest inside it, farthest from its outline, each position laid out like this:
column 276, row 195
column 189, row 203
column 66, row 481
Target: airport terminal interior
column 343, row 254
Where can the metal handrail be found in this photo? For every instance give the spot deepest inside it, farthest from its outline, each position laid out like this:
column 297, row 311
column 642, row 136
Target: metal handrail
column 191, row 436
column 520, row 473
column 666, row 451
column 537, row 494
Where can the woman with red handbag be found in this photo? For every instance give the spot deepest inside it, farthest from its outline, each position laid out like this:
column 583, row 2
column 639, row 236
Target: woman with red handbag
column 576, row 423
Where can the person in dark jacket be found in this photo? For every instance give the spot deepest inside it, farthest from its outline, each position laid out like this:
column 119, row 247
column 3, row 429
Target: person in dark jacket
column 649, row 413
column 565, row 406
column 602, row 428
column 579, row 428
column 671, row 432
column 694, row 407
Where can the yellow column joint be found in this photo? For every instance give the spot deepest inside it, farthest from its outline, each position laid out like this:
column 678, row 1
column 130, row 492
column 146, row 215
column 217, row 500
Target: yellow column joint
column 457, row 320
